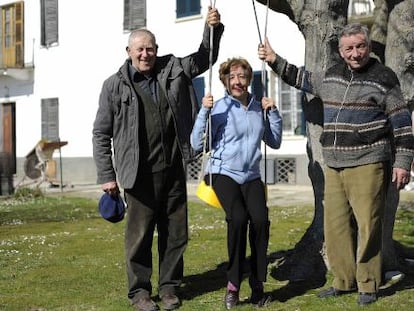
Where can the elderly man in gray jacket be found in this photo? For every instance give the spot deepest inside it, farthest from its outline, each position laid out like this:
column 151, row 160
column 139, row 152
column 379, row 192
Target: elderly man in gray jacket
column 145, row 116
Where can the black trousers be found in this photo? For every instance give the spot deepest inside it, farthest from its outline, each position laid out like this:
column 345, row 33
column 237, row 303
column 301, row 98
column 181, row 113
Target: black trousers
column 157, row 200
column 246, row 210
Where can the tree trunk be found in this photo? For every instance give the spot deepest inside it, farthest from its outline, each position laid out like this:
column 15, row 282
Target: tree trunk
column 399, row 49
column 319, row 22
column 399, row 56
column 379, row 29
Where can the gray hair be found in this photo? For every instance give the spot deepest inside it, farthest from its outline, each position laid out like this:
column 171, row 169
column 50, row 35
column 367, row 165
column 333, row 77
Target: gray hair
column 354, row 29
column 141, row 32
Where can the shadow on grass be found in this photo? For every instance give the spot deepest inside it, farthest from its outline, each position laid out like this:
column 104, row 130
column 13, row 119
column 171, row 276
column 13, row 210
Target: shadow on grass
column 213, row 280
column 209, row 281
column 302, row 275
column 404, row 284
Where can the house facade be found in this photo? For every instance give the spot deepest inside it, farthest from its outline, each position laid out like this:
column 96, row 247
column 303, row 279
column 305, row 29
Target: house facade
column 56, row 54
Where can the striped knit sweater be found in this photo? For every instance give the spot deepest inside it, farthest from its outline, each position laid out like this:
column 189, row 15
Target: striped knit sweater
column 365, row 117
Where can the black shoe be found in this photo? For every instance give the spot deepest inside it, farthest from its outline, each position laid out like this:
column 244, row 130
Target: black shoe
column 170, row 302
column 145, row 304
column 231, row 299
column 332, row 292
column 259, row 299
column 366, row 298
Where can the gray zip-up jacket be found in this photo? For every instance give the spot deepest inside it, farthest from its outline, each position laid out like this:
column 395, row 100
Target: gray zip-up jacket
column 115, row 130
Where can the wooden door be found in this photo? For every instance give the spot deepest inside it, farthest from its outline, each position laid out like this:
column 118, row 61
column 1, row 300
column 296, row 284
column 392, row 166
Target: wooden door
column 9, row 138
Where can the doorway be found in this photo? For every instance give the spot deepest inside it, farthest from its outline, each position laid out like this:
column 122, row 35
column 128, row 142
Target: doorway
column 7, row 147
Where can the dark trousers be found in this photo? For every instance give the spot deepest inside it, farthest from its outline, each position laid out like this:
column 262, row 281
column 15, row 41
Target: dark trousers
column 245, row 208
column 157, row 200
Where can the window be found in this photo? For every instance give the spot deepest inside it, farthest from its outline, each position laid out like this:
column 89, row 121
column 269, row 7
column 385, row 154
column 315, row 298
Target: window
column 49, row 22
column 257, row 85
column 135, row 15
column 199, row 86
column 289, row 102
column 360, row 7
column 12, row 36
column 188, row 8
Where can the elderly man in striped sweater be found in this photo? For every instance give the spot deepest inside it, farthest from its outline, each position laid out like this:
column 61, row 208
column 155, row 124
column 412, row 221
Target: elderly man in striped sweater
column 367, row 142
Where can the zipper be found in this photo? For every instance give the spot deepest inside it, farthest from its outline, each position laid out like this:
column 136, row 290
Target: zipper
column 339, row 111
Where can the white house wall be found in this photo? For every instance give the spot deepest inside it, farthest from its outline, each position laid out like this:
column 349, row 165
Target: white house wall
column 92, row 46
column 240, row 38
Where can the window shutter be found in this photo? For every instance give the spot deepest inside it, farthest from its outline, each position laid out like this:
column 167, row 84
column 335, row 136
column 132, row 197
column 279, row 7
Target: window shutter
column 180, row 9
column 49, row 22
column 134, row 14
column 187, row 8
column 195, row 7
column 2, row 62
column 199, row 86
column 50, row 119
column 256, row 86
column 19, row 30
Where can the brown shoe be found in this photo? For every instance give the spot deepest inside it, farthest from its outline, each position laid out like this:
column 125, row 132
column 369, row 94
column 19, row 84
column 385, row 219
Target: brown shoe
column 170, row 302
column 145, row 304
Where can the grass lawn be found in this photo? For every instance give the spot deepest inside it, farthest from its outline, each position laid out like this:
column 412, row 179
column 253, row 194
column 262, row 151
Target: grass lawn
column 56, row 253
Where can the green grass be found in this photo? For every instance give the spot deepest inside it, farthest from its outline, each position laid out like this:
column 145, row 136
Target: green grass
column 56, row 253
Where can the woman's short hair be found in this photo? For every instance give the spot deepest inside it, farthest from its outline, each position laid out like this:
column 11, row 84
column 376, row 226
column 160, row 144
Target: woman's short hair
column 225, row 67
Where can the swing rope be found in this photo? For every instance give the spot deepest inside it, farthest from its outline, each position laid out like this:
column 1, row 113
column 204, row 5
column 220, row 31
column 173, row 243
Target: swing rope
column 206, row 192
column 263, row 76
column 210, row 78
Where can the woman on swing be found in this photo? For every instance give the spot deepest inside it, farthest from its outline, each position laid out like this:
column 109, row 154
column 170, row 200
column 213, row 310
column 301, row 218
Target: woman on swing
column 239, row 123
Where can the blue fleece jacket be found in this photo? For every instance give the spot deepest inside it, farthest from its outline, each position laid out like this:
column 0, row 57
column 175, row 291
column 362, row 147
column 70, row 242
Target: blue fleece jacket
column 237, row 132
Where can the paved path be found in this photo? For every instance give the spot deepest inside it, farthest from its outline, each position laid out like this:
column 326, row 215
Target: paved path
column 278, row 194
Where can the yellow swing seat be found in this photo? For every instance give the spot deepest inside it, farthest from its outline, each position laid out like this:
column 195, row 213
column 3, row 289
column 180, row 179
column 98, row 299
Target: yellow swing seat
column 206, row 194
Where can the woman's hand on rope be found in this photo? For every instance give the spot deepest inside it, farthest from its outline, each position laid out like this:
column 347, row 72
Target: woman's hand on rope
column 268, row 103
column 208, row 101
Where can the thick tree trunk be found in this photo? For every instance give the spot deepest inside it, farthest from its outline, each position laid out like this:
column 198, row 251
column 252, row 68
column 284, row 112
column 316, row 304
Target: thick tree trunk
column 399, row 56
column 399, row 49
column 379, row 29
column 319, row 21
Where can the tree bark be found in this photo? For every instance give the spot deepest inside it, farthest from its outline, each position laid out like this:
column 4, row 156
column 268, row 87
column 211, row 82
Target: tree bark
column 393, row 40
column 399, row 49
column 319, row 22
column 379, row 29
column 399, row 56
